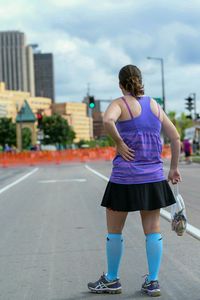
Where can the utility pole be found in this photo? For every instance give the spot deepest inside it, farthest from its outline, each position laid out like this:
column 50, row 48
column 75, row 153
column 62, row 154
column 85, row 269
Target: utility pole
column 162, row 79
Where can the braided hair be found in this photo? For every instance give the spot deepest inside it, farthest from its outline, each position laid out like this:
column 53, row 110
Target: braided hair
column 130, row 78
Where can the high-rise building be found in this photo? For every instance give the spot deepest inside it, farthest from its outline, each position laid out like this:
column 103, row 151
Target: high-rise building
column 16, row 64
column 44, row 75
column 30, row 70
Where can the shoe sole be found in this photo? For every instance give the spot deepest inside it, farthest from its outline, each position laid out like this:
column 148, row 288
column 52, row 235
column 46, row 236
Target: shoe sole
column 119, row 291
column 155, row 293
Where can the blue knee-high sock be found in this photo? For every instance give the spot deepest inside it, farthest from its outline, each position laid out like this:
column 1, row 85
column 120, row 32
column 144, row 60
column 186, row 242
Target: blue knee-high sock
column 154, row 247
column 114, row 249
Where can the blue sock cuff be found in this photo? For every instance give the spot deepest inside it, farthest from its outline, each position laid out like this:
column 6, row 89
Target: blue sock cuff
column 114, row 235
column 154, row 235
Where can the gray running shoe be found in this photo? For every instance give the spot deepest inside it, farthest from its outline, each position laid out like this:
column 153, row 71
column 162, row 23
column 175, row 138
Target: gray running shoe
column 151, row 288
column 104, row 286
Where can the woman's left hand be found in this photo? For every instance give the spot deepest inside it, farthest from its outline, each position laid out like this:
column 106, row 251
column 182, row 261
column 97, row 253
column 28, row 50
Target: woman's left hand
column 126, row 152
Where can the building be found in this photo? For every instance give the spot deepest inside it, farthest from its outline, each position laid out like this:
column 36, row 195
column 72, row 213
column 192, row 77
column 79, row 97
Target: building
column 16, row 62
column 98, row 127
column 76, row 115
column 13, row 100
column 44, row 75
column 3, row 111
column 97, row 116
column 30, row 70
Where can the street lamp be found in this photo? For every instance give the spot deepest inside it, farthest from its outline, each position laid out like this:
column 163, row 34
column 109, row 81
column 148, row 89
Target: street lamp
column 162, row 76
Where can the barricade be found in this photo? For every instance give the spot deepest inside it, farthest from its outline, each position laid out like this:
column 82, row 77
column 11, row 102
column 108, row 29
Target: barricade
column 166, row 151
column 30, row 158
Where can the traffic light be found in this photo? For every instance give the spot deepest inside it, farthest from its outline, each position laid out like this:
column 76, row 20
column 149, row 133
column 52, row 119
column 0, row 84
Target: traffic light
column 92, row 103
column 189, row 103
column 39, row 119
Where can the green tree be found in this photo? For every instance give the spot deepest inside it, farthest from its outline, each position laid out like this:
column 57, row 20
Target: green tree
column 26, row 138
column 184, row 123
column 7, row 132
column 71, row 136
column 181, row 122
column 56, row 130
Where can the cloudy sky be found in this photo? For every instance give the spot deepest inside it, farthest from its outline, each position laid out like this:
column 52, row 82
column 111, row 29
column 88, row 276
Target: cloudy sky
column 91, row 40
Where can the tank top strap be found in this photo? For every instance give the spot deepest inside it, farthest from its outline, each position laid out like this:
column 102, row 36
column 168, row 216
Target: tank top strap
column 128, row 107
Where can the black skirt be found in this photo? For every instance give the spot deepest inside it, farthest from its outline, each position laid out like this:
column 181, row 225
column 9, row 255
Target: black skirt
column 133, row 197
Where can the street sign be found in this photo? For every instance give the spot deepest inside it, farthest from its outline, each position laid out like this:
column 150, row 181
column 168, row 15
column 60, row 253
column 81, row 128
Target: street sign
column 159, row 101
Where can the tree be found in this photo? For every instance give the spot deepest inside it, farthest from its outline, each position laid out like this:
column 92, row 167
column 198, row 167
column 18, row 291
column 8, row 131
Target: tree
column 57, row 131
column 184, row 123
column 7, row 132
column 71, row 136
column 181, row 122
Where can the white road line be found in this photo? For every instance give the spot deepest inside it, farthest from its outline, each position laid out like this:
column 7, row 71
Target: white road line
column 193, row 231
column 5, row 188
column 97, row 173
column 62, row 180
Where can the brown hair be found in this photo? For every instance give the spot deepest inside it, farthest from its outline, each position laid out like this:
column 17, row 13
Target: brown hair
column 130, row 78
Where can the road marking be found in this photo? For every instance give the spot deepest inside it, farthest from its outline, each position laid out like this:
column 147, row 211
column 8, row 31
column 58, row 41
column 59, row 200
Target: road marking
column 193, row 231
column 63, row 180
column 97, row 173
column 5, row 188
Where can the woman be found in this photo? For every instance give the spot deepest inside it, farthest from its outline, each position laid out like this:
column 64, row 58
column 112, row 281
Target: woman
column 187, row 150
column 137, row 182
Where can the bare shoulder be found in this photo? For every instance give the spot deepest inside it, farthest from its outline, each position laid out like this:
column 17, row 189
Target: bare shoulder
column 118, row 100
column 115, row 102
column 156, row 109
column 113, row 111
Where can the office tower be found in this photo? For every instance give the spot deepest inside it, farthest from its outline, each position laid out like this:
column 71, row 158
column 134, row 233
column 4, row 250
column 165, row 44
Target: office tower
column 44, row 75
column 30, row 70
column 15, row 70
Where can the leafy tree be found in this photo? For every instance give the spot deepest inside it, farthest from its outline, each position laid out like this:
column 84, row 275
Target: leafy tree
column 26, row 138
column 184, row 123
column 56, row 130
column 181, row 122
column 71, row 136
column 7, row 132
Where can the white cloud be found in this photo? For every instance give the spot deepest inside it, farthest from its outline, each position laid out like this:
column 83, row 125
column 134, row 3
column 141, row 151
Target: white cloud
column 92, row 40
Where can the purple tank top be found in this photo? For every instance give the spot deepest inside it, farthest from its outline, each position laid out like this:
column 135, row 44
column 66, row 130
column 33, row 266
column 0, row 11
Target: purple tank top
column 142, row 134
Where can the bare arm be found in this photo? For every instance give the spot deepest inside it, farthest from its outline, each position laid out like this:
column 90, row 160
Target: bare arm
column 173, row 135
column 111, row 115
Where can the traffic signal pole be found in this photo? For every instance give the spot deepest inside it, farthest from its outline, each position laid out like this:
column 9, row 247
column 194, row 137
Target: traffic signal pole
column 191, row 104
column 195, row 106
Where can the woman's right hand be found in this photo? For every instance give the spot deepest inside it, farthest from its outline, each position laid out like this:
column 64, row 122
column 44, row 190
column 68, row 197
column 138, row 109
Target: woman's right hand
column 126, row 152
column 174, row 176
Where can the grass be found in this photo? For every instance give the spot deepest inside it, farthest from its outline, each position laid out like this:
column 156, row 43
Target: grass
column 196, row 159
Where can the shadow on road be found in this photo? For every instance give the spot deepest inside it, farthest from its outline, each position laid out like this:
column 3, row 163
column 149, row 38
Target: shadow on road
column 88, row 295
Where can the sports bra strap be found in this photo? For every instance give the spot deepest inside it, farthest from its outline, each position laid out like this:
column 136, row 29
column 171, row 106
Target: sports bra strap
column 128, row 107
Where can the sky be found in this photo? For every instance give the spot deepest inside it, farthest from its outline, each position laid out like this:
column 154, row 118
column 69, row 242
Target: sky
column 92, row 40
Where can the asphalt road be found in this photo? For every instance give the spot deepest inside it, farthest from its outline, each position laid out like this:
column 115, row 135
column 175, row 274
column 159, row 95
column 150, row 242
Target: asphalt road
column 53, row 232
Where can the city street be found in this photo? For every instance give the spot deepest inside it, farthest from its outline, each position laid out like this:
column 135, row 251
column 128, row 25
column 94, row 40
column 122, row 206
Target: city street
column 53, row 231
